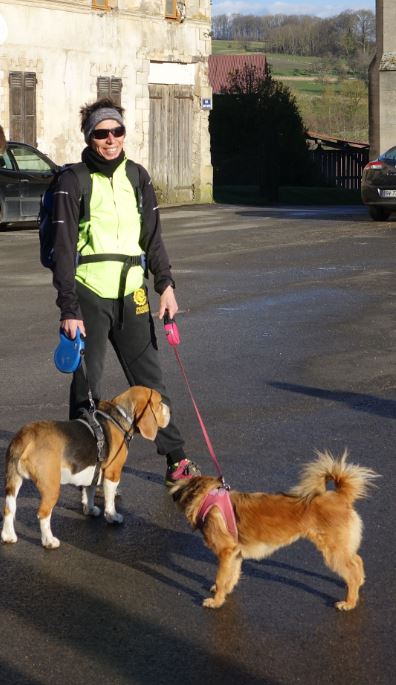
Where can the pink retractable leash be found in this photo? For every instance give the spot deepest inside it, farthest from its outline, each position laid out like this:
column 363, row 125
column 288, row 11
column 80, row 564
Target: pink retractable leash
column 173, row 337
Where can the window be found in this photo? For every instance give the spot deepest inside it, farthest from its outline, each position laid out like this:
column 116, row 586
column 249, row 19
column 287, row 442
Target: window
column 171, row 11
column 110, row 86
column 5, row 161
column 28, row 159
column 101, row 4
column 389, row 154
column 22, row 86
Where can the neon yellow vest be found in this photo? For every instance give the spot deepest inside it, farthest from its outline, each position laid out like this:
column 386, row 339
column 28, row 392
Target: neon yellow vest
column 114, row 227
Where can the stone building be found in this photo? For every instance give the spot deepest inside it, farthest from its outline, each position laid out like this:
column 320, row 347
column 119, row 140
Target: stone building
column 382, row 94
column 150, row 55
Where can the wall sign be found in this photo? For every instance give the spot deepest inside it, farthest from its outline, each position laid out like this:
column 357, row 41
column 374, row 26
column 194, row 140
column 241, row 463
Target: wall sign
column 206, row 103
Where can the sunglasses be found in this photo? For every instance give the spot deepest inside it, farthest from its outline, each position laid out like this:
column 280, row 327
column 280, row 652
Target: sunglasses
column 103, row 133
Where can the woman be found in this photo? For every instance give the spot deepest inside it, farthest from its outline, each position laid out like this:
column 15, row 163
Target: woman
column 105, row 300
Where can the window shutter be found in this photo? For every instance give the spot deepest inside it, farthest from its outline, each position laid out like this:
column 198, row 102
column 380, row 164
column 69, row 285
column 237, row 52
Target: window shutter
column 110, row 86
column 23, row 106
column 103, row 87
column 115, row 90
column 16, row 109
column 30, row 109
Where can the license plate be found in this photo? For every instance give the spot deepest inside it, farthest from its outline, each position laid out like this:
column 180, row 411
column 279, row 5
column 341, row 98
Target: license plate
column 387, row 193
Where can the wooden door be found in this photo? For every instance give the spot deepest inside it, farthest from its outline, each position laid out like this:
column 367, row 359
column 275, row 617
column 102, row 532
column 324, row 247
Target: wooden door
column 170, row 142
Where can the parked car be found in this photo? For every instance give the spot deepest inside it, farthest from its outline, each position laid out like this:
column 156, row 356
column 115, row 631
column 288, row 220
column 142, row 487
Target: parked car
column 378, row 186
column 25, row 173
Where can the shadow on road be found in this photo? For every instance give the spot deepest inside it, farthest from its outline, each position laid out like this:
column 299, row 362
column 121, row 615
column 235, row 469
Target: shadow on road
column 329, row 213
column 357, row 401
column 116, row 641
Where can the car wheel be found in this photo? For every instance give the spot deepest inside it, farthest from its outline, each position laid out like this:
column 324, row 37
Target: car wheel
column 378, row 213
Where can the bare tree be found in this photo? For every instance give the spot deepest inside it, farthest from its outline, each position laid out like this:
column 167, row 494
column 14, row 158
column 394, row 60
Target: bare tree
column 343, row 35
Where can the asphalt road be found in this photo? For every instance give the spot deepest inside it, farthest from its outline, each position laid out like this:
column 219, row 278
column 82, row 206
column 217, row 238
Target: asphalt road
column 288, row 339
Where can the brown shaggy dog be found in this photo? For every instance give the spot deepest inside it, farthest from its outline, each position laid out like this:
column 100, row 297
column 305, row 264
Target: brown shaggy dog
column 267, row 522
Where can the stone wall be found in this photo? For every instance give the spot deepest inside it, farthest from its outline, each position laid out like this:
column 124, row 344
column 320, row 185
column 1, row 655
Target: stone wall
column 382, row 98
column 69, row 45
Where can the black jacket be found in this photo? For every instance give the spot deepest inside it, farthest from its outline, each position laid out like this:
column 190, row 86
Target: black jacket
column 66, row 214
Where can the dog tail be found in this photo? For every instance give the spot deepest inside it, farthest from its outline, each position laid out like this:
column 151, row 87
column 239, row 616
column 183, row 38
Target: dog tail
column 350, row 480
column 12, row 475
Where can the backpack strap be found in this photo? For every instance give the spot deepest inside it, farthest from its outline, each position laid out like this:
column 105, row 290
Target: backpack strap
column 81, row 170
column 132, row 172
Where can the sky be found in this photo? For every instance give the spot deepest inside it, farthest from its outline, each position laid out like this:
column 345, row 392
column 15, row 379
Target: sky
column 323, row 8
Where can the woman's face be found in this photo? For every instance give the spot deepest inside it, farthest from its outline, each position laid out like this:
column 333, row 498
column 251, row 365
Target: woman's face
column 111, row 146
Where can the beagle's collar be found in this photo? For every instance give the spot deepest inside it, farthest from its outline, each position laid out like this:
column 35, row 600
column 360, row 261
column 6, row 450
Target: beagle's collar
column 128, row 434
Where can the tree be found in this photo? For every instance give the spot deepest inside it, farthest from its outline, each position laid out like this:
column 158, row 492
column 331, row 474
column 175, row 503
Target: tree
column 257, row 134
column 365, row 29
column 339, row 36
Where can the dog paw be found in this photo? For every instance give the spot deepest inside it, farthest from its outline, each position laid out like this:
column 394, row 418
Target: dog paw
column 53, row 543
column 91, row 511
column 8, row 537
column 344, row 606
column 113, row 518
column 212, row 603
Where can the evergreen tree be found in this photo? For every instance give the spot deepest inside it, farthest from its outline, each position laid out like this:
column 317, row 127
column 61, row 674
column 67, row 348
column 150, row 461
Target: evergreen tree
column 257, row 134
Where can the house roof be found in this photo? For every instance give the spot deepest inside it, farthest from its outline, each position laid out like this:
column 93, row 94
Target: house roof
column 332, row 141
column 220, row 67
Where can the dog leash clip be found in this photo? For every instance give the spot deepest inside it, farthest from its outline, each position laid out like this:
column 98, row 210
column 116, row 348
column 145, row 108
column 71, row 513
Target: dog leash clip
column 171, row 330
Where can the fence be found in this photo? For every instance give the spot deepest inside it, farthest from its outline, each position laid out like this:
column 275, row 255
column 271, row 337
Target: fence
column 341, row 168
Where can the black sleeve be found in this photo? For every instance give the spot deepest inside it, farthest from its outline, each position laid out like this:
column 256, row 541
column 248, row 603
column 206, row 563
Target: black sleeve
column 66, row 212
column 151, row 238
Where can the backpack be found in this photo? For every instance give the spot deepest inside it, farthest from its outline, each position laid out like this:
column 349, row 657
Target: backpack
column 44, row 219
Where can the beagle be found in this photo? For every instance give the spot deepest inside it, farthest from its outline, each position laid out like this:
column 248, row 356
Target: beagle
column 53, row 453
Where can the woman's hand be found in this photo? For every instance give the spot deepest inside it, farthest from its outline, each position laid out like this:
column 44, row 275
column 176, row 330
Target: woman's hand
column 69, row 326
column 168, row 303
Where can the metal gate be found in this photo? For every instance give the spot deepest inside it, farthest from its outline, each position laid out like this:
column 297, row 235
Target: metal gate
column 170, row 142
column 341, row 168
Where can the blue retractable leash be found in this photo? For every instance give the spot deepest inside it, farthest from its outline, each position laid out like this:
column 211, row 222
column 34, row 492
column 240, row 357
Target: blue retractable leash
column 68, row 357
column 68, row 354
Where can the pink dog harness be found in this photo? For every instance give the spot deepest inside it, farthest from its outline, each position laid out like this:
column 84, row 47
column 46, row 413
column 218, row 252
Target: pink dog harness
column 219, row 497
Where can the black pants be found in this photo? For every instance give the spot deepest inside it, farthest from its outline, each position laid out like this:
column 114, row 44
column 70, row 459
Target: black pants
column 136, row 347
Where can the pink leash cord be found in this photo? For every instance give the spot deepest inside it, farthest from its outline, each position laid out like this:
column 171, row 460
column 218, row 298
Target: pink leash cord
column 173, row 337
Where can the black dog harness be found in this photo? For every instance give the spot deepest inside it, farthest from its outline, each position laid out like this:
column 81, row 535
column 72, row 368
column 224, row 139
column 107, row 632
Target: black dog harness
column 89, row 419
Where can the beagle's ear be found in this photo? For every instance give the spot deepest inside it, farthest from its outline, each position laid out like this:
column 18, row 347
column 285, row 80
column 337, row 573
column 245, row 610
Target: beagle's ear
column 153, row 416
column 160, row 410
column 146, row 406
